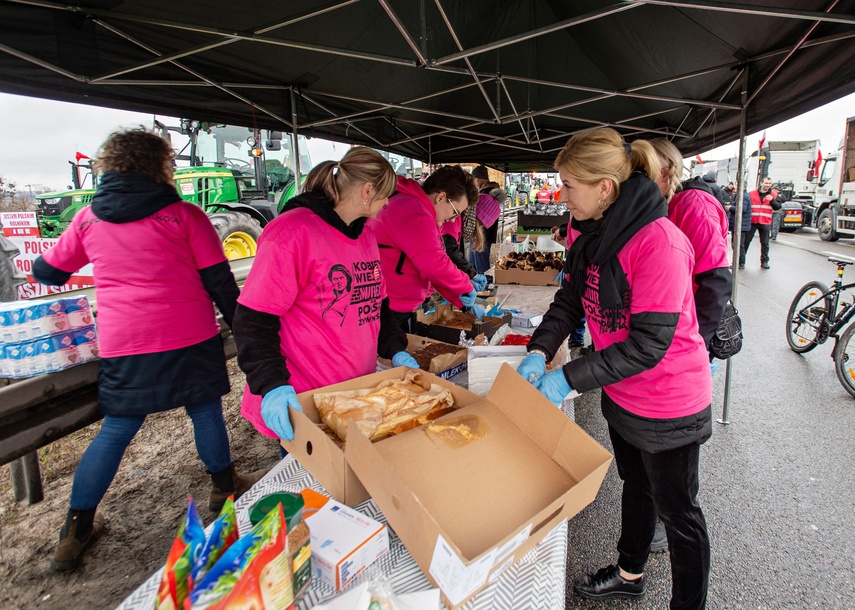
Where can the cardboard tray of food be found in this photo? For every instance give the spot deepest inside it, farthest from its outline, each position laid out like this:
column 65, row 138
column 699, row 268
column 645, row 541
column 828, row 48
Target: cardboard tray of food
column 436, row 357
column 446, row 323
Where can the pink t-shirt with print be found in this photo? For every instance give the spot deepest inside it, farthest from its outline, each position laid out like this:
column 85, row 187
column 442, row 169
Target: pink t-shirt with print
column 658, row 262
column 700, row 216
column 150, row 295
column 327, row 290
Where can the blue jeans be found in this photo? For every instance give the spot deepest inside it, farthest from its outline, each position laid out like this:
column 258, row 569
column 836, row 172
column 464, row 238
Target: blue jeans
column 480, row 260
column 577, row 335
column 101, row 460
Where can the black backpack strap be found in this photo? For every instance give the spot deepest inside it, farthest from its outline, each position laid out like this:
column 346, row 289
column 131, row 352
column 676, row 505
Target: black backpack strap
column 399, row 268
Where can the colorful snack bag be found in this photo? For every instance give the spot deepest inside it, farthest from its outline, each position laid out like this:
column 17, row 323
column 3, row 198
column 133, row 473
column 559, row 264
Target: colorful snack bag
column 224, row 533
column 254, row 572
column 176, row 583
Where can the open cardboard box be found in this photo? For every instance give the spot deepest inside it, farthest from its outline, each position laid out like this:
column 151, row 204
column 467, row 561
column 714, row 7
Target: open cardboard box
column 427, row 325
column 527, row 278
column 323, row 457
column 445, row 366
column 467, row 511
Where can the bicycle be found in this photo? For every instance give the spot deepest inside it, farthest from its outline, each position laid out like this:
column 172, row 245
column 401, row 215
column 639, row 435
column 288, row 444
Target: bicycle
column 818, row 313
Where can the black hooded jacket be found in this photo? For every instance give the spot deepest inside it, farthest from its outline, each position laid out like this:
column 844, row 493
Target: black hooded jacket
column 650, row 336
column 713, row 188
column 257, row 333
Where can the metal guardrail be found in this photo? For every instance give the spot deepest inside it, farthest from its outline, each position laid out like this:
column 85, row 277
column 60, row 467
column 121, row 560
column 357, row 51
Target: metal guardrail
column 37, row 411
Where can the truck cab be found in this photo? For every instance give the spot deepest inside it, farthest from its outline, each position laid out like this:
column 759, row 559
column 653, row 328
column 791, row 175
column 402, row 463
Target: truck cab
column 835, row 190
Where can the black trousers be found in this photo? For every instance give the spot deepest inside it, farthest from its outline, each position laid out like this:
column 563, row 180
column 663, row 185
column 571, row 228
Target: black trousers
column 765, row 234
column 664, row 484
column 777, row 221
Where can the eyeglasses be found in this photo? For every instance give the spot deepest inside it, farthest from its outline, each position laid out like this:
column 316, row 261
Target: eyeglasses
column 456, row 213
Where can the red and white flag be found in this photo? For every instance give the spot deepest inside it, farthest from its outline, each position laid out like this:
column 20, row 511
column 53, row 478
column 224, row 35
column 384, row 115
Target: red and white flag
column 81, row 152
column 762, row 140
column 817, row 167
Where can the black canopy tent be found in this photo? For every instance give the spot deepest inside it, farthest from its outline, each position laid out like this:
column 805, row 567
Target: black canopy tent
column 503, row 82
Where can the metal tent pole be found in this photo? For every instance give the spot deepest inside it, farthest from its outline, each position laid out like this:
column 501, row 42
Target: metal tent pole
column 737, row 239
column 295, row 143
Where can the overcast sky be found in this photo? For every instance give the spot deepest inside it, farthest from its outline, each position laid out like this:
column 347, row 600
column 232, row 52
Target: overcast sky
column 39, row 137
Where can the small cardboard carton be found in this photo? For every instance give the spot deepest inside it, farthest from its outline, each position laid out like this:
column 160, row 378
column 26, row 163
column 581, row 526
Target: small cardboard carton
column 526, row 319
column 445, row 366
column 323, row 457
column 527, row 278
column 344, row 542
column 446, row 324
column 475, row 490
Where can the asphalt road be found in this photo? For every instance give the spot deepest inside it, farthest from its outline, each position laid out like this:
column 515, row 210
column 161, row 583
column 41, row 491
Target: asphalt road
column 777, row 483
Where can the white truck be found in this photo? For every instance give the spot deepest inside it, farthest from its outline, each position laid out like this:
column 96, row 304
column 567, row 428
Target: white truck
column 834, row 198
column 790, row 164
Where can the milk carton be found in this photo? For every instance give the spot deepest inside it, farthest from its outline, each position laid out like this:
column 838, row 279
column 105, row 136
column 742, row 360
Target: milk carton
column 23, row 359
column 78, row 311
column 40, row 319
column 86, row 342
column 57, row 352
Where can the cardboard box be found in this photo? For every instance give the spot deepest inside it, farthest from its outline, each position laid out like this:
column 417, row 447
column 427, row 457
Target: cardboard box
column 850, row 174
column 467, row 511
column 344, row 543
column 323, row 457
column 445, row 366
column 527, row 278
column 526, row 319
column 427, row 326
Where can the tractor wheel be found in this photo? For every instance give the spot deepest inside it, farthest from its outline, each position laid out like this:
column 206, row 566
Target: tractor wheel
column 238, row 232
column 10, row 276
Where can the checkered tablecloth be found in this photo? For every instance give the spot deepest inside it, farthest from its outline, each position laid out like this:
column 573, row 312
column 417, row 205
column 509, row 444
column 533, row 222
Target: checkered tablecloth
column 535, row 581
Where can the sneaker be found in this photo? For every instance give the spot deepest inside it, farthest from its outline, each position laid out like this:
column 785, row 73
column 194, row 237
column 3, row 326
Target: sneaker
column 587, row 349
column 741, row 267
column 660, row 539
column 764, row 266
column 607, row 582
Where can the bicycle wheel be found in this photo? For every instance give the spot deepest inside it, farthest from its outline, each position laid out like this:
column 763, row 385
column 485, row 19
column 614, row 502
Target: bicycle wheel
column 844, row 360
column 806, row 318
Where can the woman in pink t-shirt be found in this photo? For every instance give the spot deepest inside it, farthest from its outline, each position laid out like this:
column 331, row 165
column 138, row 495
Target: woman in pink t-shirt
column 412, row 251
column 314, row 311
column 692, row 206
column 159, row 267
column 629, row 272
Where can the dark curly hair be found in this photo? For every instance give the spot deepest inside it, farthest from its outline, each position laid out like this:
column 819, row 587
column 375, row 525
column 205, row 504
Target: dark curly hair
column 137, row 150
column 454, row 182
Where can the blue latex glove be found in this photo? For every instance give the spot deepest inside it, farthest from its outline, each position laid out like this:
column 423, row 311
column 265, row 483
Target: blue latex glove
column 479, row 282
column 714, row 366
column 555, row 387
column 274, row 410
column 477, row 311
column 468, row 298
column 403, row 358
column 532, row 368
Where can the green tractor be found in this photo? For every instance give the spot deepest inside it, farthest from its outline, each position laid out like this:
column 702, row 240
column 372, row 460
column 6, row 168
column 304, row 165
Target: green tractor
column 239, row 185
